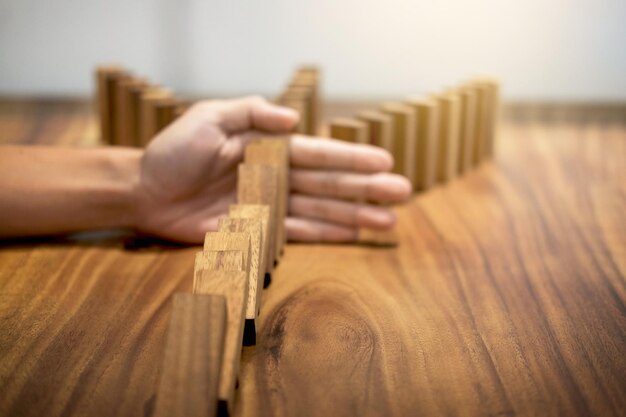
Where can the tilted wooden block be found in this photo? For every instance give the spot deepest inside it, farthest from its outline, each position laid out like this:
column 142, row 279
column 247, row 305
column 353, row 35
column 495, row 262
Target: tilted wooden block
column 148, row 123
column 107, row 78
column 426, row 133
column 257, row 262
column 261, row 213
column 404, row 138
column 349, row 130
column 127, row 110
column 448, row 143
column 274, row 152
column 233, row 285
column 380, row 128
column 467, row 99
column 258, row 184
column 228, row 260
column 192, row 361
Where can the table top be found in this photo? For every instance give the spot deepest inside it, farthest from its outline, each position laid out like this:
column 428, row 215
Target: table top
column 505, row 296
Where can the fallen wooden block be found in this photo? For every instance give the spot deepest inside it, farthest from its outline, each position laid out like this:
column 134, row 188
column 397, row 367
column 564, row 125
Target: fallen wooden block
column 238, row 242
column 426, row 133
column 349, row 130
column 448, row 143
column 148, row 123
column 107, row 78
column 274, row 152
column 403, row 119
column 467, row 99
column 192, row 362
column 257, row 262
column 233, row 285
column 258, row 184
column 380, row 128
column 261, row 213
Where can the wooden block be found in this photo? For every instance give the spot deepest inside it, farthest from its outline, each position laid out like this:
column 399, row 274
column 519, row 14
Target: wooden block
column 492, row 111
column 192, row 361
column 308, row 79
column 148, row 124
column 274, row 152
column 404, row 128
column 448, row 143
column 166, row 112
column 257, row 261
column 233, row 285
column 258, row 184
column 261, row 213
column 350, row 130
column 300, row 98
column 467, row 99
column 481, row 92
column 298, row 105
column 127, row 109
column 107, row 78
column 228, row 260
column 380, row 128
column 426, row 133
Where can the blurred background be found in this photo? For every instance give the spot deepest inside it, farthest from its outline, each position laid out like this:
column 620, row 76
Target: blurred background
column 554, row 50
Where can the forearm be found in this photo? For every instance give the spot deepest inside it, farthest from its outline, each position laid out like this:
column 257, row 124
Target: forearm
column 49, row 190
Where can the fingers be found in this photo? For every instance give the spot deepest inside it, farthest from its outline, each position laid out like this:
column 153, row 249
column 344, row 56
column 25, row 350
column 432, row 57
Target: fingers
column 308, row 230
column 324, row 153
column 341, row 212
column 380, row 188
column 249, row 113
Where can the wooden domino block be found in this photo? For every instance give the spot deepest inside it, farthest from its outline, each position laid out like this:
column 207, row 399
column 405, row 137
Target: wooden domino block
column 380, row 128
column 228, row 260
column 481, row 92
column 404, row 128
column 426, row 133
column 258, row 184
column 261, row 213
column 127, row 109
column 307, row 79
column 493, row 110
column 448, row 143
column 188, row 384
column 257, row 261
column 467, row 98
column 274, row 152
column 148, row 123
column 300, row 98
column 233, row 285
column 107, row 78
column 166, row 112
column 349, row 130
column 228, row 241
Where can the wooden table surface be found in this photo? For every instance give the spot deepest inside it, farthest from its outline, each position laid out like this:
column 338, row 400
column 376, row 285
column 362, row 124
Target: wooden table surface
column 505, row 297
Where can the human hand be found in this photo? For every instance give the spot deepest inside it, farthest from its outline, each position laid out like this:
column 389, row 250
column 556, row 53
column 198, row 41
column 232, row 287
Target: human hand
column 188, row 175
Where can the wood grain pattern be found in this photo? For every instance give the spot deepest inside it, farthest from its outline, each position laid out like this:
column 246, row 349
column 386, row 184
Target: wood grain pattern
column 193, row 355
column 505, row 295
column 233, row 285
column 258, row 184
column 262, row 213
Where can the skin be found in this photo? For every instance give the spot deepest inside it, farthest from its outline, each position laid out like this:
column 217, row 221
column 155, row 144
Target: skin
column 184, row 181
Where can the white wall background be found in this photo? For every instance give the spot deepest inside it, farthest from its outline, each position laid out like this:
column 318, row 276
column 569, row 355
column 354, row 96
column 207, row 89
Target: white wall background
column 540, row 49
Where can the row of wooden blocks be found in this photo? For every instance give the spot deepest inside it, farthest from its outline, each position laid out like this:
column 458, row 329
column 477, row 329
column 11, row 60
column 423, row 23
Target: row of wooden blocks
column 432, row 139
column 302, row 94
column 131, row 109
column 208, row 328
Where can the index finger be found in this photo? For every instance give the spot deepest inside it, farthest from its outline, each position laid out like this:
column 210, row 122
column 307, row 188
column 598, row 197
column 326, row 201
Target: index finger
column 326, row 153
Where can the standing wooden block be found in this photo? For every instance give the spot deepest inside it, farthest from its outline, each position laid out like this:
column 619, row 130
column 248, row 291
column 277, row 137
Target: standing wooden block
column 493, row 110
column 228, row 260
column 349, row 130
column 467, row 99
column 233, row 285
column 426, row 133
column 107, row 78
column 258, row 184
column 261, row 213
column 403, row 119
column 307, row 80
column 448, row 143
column 127, row 110
column 380, row 128
column 481, row 120
column 257, row 262
column 166, row 112
column 192, row 362
column 148, row 124
column 274, row 152
column 299, row 98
